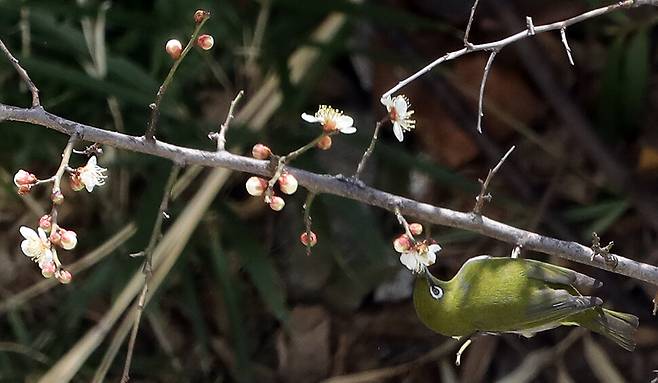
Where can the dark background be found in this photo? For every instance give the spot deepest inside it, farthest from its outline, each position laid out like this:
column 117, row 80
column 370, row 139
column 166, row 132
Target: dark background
column 243, row 302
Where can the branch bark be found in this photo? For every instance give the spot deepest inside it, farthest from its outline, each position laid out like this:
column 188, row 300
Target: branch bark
column 339, row 186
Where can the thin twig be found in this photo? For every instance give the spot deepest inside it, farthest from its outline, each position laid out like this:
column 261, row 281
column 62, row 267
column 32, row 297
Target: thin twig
column 338, row 186
column 370, row 149
column 282, row 161
column 221, row 136
column 155, row 107
column 499, row 44
column 484, row 196
column 563, row 36
column 23, row 75
column 147, row 268
column 530, row 25
column 403, row 222
column 470, row 22
column 308, row 220
column 487, row 68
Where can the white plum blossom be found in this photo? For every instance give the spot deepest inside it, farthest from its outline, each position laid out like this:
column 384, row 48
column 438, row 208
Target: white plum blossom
column 420, row 256
column 400, row 113
column 92, row 175
column 36, row 245
column 331, row 120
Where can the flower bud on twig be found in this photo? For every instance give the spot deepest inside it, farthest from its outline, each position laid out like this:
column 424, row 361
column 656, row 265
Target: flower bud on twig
column 288, row 183
column 256, row 186
column 45, row 222
column 48, row 269
column 205, row 42
column 174, row 48
column 24, row 178
column 416, row 228
column 402, row 243
column 324, row 143
column 277, row 203
column 64, row 277
column 200, row 15
column 69, row 239
column 305, row 240
column 261, row 152
column 57, row 197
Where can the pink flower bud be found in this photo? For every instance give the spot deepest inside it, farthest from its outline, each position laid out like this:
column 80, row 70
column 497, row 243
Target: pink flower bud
column 45, row 222
column 256, row 186
column 76, row 182
column 201, row 15
column 57, row 197
column 24, row 178
column 261, row 152
column 24, row 189
column 416, row 228
column 277, row 203
column 205, row 42
column 304, row 239
column 402, row 243
column 56, row 237
column 174, row 48
column 69, row 239
column 324, row 143
column 288, row 184
column 48, row 269
column 64, row 277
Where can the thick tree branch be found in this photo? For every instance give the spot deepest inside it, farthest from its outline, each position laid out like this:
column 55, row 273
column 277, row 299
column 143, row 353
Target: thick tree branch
column 339, row 186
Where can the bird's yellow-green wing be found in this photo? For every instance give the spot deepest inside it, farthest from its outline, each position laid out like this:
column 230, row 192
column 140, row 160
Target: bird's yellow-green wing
column 557, row 275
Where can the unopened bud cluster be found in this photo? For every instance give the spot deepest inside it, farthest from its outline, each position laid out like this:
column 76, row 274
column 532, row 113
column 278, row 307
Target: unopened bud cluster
column 257, row 186
column 174, row 47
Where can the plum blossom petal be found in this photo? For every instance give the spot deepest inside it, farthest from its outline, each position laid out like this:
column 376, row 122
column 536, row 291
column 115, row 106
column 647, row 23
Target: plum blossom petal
column 400, row 114
column 92, row 175
column 331, row 120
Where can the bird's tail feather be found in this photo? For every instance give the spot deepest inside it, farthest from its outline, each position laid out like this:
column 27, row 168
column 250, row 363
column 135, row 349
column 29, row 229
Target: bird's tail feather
column 619, row 327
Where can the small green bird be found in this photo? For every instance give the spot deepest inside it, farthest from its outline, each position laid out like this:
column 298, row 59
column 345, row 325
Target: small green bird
column 515, row 295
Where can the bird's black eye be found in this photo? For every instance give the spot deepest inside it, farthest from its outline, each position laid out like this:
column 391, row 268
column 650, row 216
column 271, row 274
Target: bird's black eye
column 436, row 292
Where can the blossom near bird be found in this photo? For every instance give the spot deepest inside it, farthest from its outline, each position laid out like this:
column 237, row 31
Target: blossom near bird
column 416, row 256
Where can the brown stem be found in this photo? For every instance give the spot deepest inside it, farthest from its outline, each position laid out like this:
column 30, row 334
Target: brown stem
column 371, row 148
column 155, row 107
column 470, row 23
column 23, row 75
column 147, row 269
column 484, row 196
column 221, row 137
column 307, row 220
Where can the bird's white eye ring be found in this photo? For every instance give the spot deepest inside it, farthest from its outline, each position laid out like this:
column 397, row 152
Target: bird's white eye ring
column 436, row 292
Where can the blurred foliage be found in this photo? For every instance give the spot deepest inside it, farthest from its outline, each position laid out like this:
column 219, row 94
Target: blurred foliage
column 228, row 307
